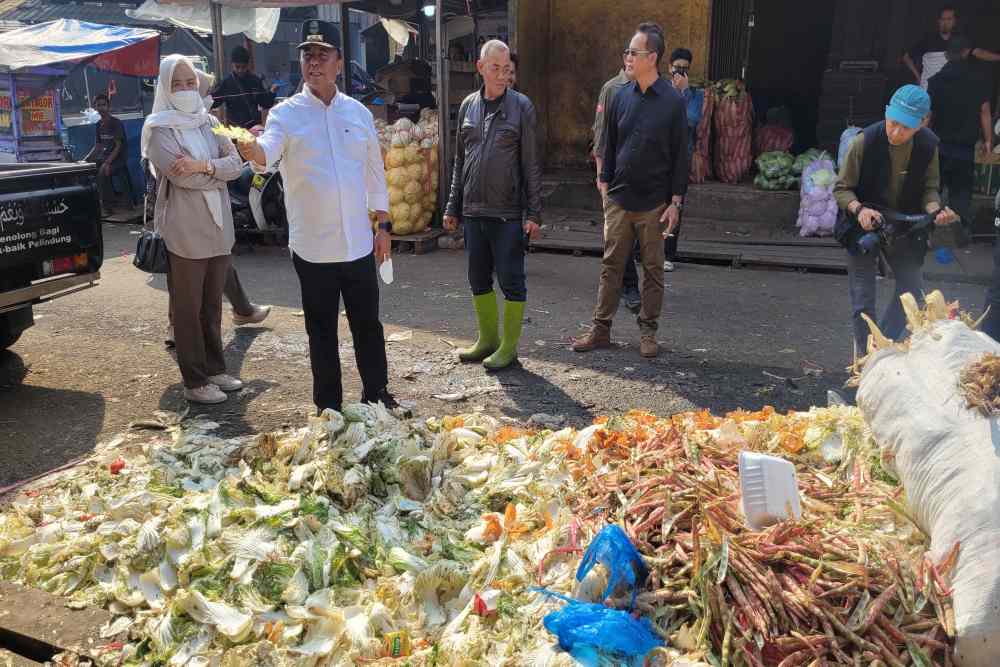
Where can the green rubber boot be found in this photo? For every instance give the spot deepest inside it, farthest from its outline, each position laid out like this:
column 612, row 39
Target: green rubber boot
column 513, row 314
column 489, row 339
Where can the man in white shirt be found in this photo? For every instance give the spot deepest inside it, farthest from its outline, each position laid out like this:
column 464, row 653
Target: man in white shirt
column 333, row 174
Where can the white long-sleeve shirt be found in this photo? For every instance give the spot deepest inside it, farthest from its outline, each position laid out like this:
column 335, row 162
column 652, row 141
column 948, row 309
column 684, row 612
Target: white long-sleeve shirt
column 333, row 174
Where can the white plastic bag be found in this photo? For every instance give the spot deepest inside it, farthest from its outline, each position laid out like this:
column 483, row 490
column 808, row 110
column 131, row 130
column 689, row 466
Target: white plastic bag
column 948, row 459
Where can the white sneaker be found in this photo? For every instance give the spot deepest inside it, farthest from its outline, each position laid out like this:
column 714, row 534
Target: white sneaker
column 209, row 395
column 226, row 382
column 668, row 266
column 258, row 315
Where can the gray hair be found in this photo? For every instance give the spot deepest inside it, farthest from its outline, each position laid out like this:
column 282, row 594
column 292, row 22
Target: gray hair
column 491, row 46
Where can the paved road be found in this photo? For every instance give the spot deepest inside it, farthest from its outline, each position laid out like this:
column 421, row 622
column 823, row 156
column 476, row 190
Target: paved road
column 96, row 361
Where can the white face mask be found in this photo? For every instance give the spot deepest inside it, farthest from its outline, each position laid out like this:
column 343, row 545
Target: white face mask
column 188, row 101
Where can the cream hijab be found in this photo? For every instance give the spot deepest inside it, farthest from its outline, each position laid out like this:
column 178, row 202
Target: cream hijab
column 187, row 127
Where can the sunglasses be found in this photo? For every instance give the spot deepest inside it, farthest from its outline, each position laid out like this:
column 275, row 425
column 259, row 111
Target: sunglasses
column 635, row 53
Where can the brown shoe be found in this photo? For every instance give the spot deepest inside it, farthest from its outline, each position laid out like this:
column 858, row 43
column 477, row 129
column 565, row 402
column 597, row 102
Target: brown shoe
column 648, row 347
column 596, row 338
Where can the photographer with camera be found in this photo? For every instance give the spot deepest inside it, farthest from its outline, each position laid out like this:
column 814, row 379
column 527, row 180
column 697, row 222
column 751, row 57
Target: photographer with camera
column 891, row 165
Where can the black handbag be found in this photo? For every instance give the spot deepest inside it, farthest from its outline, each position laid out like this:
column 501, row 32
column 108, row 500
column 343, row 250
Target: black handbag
column 151, row 253
column 151, row 249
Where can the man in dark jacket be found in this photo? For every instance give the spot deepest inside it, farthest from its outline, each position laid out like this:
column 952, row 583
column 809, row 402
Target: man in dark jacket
column 496, row 184
column 643, row 180
column 960, row 98
column 243, row 93
column 893, row 164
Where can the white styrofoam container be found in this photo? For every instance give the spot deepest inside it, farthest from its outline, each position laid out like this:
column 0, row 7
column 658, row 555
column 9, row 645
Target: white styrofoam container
column 769, row 489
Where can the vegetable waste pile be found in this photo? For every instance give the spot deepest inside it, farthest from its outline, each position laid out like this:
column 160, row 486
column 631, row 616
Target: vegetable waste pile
column 363, row 539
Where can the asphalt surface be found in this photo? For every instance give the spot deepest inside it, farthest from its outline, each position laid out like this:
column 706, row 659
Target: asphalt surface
column 95, row 361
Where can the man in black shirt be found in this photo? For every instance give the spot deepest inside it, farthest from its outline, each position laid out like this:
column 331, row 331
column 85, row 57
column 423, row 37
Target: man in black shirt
column 110, row 152
column 243, row 93
column 643, row 180
column 960, row 102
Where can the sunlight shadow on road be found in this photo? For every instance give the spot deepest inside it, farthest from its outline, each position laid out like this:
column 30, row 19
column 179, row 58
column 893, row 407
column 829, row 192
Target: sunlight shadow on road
column 28, row 444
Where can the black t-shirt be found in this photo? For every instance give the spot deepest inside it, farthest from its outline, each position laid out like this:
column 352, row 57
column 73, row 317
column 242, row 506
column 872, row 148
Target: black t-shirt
column 932, row 42
column 108, row 132
column 244, row 97
column 957, row 94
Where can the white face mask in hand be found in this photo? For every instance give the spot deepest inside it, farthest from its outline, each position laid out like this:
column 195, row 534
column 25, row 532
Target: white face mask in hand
column 188, row 101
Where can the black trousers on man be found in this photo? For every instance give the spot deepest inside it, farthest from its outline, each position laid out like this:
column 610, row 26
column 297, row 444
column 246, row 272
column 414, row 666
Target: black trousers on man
column 958, row 177
column 322, row 287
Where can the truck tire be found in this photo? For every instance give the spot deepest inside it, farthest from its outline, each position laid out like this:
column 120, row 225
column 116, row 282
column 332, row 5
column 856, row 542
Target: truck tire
column 13, row 324
column 8, row 338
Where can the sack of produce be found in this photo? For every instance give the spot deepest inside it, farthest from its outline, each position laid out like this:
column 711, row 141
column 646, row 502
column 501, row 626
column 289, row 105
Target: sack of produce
column 775, row 171
column 807, row 158
column 733, row 121
column 701, row 158
column 410, row 154
column 775, row 135
column 817, row 205
column 923, row 401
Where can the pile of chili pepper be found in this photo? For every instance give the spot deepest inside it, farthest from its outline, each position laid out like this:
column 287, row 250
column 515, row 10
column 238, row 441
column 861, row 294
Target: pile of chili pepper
column 847, row 584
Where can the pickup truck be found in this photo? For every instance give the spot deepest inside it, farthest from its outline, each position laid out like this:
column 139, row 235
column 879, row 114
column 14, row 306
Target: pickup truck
column 50, row 238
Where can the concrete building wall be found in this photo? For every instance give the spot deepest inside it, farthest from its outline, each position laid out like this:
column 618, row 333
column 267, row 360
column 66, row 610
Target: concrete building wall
column 569, row 48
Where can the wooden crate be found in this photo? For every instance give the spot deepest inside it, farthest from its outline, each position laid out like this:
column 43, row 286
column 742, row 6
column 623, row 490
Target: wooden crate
column 420, row 243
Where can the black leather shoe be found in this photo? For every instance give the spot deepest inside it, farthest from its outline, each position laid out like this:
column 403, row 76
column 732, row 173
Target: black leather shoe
column 390, row 403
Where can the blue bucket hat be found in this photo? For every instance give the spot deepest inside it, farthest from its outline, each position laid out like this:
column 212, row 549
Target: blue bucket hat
column 909, row 106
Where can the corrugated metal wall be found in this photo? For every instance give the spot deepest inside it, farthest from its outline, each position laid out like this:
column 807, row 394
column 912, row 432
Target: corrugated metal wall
column 730, row 38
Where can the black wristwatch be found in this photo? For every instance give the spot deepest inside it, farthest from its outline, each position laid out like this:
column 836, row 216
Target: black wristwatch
column 385, row 227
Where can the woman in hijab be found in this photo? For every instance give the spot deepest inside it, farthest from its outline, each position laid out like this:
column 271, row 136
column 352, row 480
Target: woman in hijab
column 194, row 217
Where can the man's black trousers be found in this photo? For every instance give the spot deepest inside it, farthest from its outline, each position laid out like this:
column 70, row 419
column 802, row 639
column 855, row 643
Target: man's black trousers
column 322, row 287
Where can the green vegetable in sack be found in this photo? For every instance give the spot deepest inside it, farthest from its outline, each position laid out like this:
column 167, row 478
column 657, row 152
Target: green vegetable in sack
column 807, row 158
column 775, row 164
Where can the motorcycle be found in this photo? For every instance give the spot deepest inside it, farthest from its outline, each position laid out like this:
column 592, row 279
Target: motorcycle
column 258, row 205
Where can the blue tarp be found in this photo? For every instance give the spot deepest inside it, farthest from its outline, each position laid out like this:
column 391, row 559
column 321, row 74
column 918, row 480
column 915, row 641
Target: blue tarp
column 66, row 43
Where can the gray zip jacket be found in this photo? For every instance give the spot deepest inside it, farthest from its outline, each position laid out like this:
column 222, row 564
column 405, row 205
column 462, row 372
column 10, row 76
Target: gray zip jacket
column 497, row 174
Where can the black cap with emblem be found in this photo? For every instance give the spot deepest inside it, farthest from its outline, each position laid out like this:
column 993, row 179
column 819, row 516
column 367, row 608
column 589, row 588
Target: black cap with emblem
column 320, row 33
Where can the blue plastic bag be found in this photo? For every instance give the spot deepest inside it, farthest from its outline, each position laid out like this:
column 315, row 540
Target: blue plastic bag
column 594, row 634
column 612, row 549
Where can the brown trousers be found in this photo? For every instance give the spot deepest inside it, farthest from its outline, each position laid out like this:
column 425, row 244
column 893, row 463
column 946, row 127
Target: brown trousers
column 621, row 229
column 233, row 290
column 195, row 287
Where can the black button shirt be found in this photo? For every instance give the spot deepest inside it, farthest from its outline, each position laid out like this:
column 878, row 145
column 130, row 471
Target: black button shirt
column 645, row 161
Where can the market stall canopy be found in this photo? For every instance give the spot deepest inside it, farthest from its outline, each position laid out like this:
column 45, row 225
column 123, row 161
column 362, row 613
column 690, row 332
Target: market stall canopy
column 257, row 23
column 65, row 44
column 387, row 8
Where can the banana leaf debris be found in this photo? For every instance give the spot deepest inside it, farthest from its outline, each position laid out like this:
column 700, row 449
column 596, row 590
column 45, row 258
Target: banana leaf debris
column 363, row 539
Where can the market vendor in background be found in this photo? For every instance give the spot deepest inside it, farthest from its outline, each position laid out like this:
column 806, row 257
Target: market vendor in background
column 333, row 173
column 643, row 181
column 960, row 99
column 496, row 192
column 929, row 55
column 242, row 93
column 893, row 164
column 110, row 152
